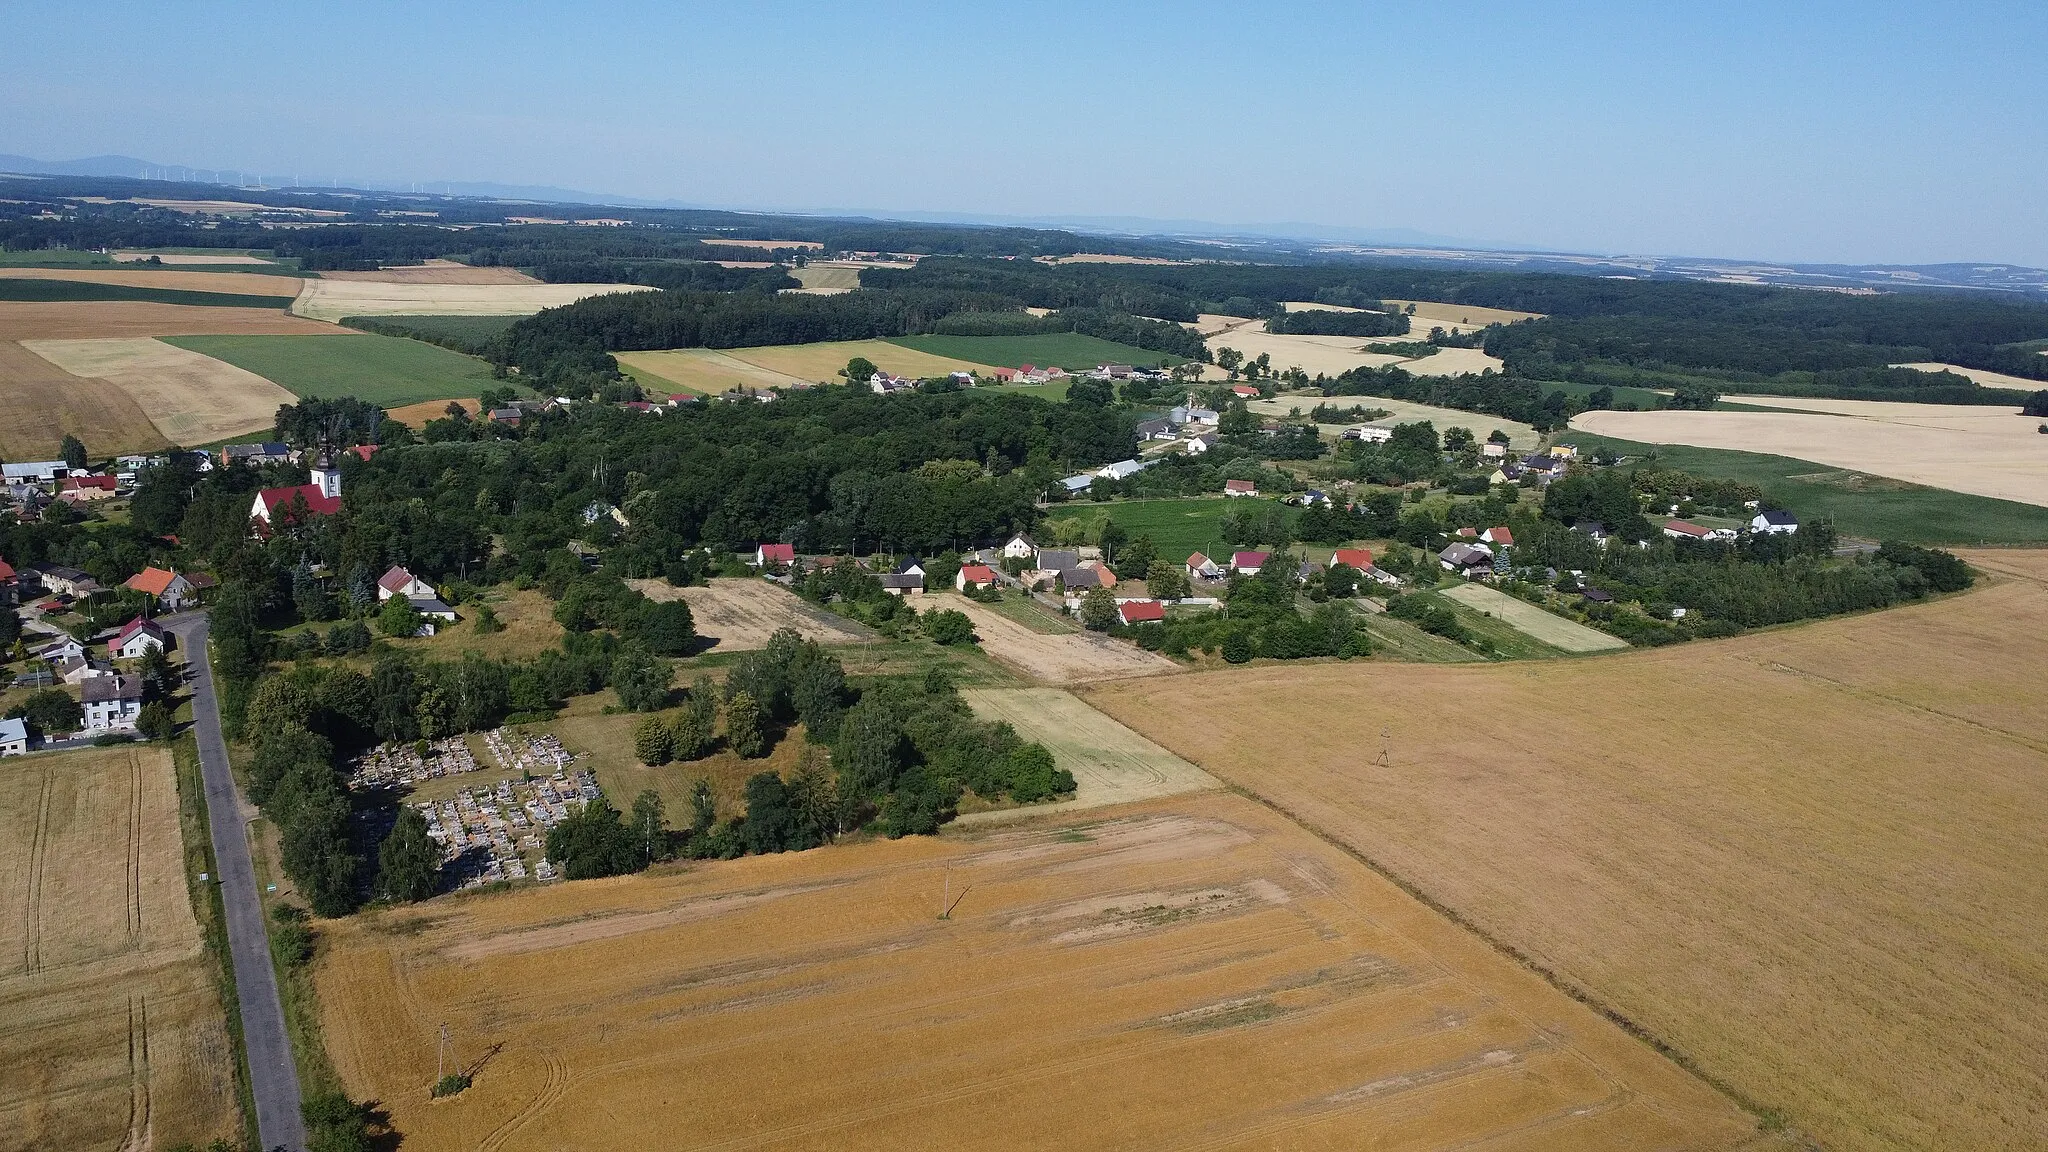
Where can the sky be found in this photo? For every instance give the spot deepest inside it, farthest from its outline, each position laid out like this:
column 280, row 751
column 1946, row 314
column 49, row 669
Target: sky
column 1816, row 132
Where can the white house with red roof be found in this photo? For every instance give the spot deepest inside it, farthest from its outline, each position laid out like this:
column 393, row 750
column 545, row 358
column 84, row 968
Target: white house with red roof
column 1680, row 530
column 400, row 582
column 980, row 574
column 1499, row 536
column 135, row 638
column 1248, row 563
column 1200, row 567
column 1141, row 611
column 1359, row 558
column 1240, row 488
column 774, row 556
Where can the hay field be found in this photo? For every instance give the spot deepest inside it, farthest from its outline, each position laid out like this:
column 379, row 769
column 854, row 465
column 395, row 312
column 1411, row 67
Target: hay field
column 82, row 319
column 825, row 278
column 710, row 370
column 739, row 614
column 332, row 300
column 1810, row 859
column 415, row 416
column 705, row 371
column 1521, row 437
column 1192, row 973
column 111, row 1029
column 1530, row 620
column 1111, row 764
column 192, row 259
column 43, row 403
column 1315, row 355
column 1454, row 362
column 434, row 272
column 190, row 398
column 1052, row 657
column 229, row 283
column 1458, row 317
column 1981, row 450
column 1980, row 376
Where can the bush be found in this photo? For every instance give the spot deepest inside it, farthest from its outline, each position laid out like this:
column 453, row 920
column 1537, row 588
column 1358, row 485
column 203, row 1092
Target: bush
column 743, row 727
column 399, row 619
column 947, row 626
column 1236, row 646
column 451, row 1085
column 653, row 742
column 486, row 621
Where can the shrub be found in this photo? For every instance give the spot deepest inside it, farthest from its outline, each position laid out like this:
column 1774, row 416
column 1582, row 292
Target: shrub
column 653, row 741
column 947, row 626
column 743, row 727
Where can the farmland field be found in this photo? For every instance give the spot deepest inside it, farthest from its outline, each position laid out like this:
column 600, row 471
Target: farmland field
column 416, row 415
column 190, row 398
column 1053, row 658
column 43, row 403
column 43, row 291
column 823, row 278
column 1521, row 437
column 111, row 1029
column 1190, row 973
column 739, row 614
column 1525, row 617
column 1111, row 764
column 78, row 320
column 1808, row 860
column 464, row 332
column 435, row 272
column 1177, row 526
column 1980, row 376
column 327, row 299
column 703, row 371
column 1859, row 504
column 1069, row 350
column 1458, row 317
column 384, row 370
column 232, row 284
column 1978, row 449
column 710, row 370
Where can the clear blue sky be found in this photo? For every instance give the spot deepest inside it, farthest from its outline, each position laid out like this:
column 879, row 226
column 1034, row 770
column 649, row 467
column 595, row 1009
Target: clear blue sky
column 1791, row 131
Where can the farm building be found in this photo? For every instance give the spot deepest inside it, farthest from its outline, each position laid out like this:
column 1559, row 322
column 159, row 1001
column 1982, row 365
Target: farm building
column 78, row 669
column 1774, row 522
column 35, row 471
column 1200, row 567
column 1084, row 579
column 1493, row 450
column 112, row 702
column 977, row 574
column 1244, row 390
column 1158, row 429
column 1207, row 417
column 1120, row 470
column 136, row 638
column 1201, row 442
column 1079, row 483
column 1057, row 559
column 1595, row 595
column 401, row 582
column 13, row 737
column 172, row 590
column 902, row 583
column 1680, row 530
column 79, row 488
column 1240, row 488
column 774, row 556
column 253, row 455
column 433, row 608
column 1141, row 611
column 1247, row 563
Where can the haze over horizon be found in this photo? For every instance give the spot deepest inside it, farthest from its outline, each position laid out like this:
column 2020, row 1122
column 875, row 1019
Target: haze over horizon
column 1914, row 137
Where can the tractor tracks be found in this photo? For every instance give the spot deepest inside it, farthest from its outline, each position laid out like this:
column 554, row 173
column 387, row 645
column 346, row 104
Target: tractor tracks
column 32, row 907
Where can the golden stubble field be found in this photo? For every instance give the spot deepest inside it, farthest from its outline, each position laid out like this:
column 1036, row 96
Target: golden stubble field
column 190, row 398
column 111, row 1031
column 711, row 370
column 1190, row 973
column 1810, row 860
column 43, row 404
column 332, row 300
column 742, row 613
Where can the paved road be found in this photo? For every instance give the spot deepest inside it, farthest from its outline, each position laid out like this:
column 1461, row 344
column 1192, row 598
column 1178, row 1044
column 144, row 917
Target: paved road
column 272, row 1076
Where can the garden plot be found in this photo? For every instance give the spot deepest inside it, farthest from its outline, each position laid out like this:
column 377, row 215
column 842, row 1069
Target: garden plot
column 1055, row 658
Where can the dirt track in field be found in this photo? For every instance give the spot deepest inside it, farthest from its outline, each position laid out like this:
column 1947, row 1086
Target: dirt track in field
column 1053, row 658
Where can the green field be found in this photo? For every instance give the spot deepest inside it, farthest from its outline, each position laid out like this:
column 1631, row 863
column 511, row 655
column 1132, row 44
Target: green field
column 1642, row 398
column 55, row 258
column 1069, row 350
column 461, row 332
column 1177, row 527
column 1860, row 505
column 51, row 290
column 384, row 370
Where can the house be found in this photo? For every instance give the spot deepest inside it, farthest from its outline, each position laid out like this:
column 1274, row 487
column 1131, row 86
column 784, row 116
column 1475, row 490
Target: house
column 774, row 556
column 1159, row 429
column 14, row 737
column 1493, row 450
column 1306, row 571
column 1543, row 465
column 10, row 585
column 112, row 702
column 1019, row 547
column 272, row 503
column 509, row 417
column 1079, row 483
column 911, row 566
column 1200, row 567
column 363, row 451
column 1359, row 558
column 267, row 452
column 980, row 574
column 1201, row 442
column 1005, row 375
column 1367, row 434
column 1057, row 560
column 1465, row 558
column 1120, row 470
column 171, row 590
column 1245, row 390
column 1240, row 488
column 1380, row 576
column 81, row 488
column 902, row 583
column 1314, row 497
column 1595, row 595
column 1680, row 530
column 1114, row 371
column 433, row 608
column 1593, row 528
column 66, row 581
column 1775, row 523
column 1499, row 535
column 78, row 669
column 135, row 638
column 1247, row 563
column 888, row 385
column 1141, row 611
column 1208, row 417
column 1084, row 579
column 598, row 509
column 963, row 379
column 38, row 471
column 61, row 649
column 1104, row 575
column 401, row 582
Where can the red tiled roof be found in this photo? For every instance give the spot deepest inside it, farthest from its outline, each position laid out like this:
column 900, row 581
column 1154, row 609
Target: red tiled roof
column 6, row 570
column 1502, row 536
column 1359, row 558
column 778, row 553
column 151, row 580
column 1248, row 559
column 977, row 574
column 364, row 451
column 1239, row 486
column 75, row 483
column 1685, row 529
column 317, row 502
column 1139, row 611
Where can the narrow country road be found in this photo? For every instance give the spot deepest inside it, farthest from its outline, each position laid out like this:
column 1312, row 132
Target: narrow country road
column 273, row 1078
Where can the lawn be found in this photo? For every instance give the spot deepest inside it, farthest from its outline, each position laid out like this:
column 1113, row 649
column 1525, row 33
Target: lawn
column 1860, row 505
column 1176, row 526
column 1028, row 612
column 384, row 370
column 1069, row 350
column 43, row 291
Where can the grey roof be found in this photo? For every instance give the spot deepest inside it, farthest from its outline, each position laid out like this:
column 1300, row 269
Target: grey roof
column 901, row 580
column 101, row 689
column 1777, row 517
column 431, row 606
column 1082, row 578
column 1058, row 560
column 908, row 564
column 12, row 730
column 1077, row 483
column 1151, row 428
column 1465, row 555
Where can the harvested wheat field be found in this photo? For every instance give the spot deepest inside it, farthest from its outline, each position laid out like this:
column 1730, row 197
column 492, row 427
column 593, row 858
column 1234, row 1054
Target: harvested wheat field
column 190, row 398
column 704, row 371
column 1521, row 437
column 1981, row 376
column 43, row 403
column 1530, row 620
column 192, row 259
column 740, row 614
column 87, row 319
column 1454, row 362
column 1810, row 860
column 1111, row 764
column 1458, row 317
column 435, row 272
column 823, row 362
column 1315, row 355
column 1192, row 973
column 416, row 415
column 826, row 277
column 232, row 283
column 111, row 1029
column 1054, row 658
column 326, row 299
column 1983, row 450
